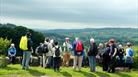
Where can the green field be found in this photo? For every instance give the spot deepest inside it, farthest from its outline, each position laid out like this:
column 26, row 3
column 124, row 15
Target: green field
column 16, row 71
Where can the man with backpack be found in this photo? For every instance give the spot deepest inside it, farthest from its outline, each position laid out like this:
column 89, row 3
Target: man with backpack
column 92, row 54
column 26, row 46
column 38, row 51
column 45, row 52
column 129, row 55
column 57, row 57
column 120, row 55
column 106, row 57
column 78, row 51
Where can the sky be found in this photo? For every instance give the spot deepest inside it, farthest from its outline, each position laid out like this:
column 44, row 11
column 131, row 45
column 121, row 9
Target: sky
column 70, row 14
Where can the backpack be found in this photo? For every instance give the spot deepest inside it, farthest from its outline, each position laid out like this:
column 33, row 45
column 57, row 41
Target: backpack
column 57, row 52
column 79, row 47
column 106, row 52
column 23, row 43
column 45, row 48
column 130, row 52
column 40, row 49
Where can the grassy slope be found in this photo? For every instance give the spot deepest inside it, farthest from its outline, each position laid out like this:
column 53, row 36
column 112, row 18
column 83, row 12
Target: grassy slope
column 15, row 70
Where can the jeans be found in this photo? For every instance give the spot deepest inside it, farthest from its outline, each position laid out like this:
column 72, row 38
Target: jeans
column 92, row 63
column 26, row 59
column 77, row 62
column 44, row 59
column 49, row 61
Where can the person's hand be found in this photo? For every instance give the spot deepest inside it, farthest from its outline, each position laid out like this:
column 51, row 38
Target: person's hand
column 112, row 57
column 32, row 50
column 109, row 54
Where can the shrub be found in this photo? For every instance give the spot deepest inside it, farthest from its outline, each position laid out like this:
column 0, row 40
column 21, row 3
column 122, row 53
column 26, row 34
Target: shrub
column 4, row 44
column 3, row 62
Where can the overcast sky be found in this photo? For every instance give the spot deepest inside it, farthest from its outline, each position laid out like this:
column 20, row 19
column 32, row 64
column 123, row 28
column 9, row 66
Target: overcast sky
column 60, row 14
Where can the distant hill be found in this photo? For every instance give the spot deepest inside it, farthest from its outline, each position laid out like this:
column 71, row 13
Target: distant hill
column 8, row 25
column 122, row 35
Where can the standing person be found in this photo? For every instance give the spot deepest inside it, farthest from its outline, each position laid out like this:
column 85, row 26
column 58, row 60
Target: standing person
column 120, row 55
column 50, row 54
column 26, row 46
column 67, row 52
column 45, row 52
column 93, row 50
column 100, row 53
column 78, row 51
column 57, row 57
column 39, row 51
column 112, row 54
column 12, row 53
column 106, row 57
column 129, row 55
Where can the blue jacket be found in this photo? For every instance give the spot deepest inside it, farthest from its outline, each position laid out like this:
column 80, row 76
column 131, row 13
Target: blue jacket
column 12, row 51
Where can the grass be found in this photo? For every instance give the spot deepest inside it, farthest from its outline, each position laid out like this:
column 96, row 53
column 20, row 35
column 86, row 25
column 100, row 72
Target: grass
column 16, row 71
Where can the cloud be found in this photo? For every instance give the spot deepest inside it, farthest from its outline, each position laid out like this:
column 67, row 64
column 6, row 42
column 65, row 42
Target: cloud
column 98, row 12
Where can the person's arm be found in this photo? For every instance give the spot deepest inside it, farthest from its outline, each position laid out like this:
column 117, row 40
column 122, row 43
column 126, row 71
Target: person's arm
column 36, row 50
column 61, row 50
column 31, row 45
column 115, row 52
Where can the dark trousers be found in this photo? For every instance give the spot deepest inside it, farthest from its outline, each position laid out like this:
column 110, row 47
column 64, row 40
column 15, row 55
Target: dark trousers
column 112, row 64
column 56, row 63
column 12, row 59
column 121, row 61
column 105, row 62
column 129, row 65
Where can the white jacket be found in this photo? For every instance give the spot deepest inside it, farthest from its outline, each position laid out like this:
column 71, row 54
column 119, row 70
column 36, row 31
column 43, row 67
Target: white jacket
column 50, row 48
column 54, row 49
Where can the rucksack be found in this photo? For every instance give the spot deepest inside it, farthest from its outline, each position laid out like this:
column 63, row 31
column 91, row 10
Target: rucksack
column 130, row 52
column 57, row 52
column 45, row 48
column 79, row 47
column 106, row 52
column 40, row 49
column 24, row 43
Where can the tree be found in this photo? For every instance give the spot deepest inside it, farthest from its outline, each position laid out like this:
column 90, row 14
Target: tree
column 4, row 44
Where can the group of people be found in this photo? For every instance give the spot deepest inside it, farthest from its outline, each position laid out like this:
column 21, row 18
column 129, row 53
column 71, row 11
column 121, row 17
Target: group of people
column 50, row 53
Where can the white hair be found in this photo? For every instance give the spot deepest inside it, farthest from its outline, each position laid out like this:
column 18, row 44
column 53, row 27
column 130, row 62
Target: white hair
column 12, row 45
column 101, row 45
column 120, row 46
column 76, row 38
column 92, row 40
column 51, row 41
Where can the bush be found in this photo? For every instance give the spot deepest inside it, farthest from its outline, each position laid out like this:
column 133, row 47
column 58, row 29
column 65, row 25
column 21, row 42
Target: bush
column 3, row 62
column 135, row 64
column 4, row 44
